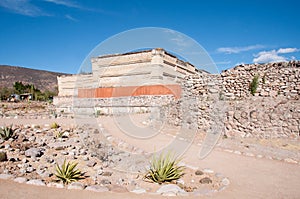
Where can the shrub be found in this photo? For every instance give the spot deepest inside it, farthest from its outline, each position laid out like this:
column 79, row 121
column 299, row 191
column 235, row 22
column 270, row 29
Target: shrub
column 164, row 169
column 59, row 134
column 68, row 173
column 54, row 125
column 254, row 84
column 6, row 132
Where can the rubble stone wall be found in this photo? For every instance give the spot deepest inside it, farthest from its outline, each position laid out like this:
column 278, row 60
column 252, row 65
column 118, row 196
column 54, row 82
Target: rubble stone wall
column 274, row 79
column 110, row 106
column 225, row 100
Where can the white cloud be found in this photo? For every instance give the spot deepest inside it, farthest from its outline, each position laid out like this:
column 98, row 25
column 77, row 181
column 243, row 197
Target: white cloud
column 231, row 50
column 27, row 7
column 23, row 7
column 274, row 55
column 64, row 3
column 71, row 18
column 268, row 56
column 287, row 50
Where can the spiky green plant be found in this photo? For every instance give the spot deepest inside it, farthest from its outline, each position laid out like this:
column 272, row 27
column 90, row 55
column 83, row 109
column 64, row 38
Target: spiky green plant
column 59, row 134
column 254, row 84
column 164, row 169
column 6, row 132
column 68, row 172
column 54, row 125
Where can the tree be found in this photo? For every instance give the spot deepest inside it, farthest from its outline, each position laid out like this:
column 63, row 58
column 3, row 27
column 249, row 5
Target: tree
column 19, row 87
column 5, row 93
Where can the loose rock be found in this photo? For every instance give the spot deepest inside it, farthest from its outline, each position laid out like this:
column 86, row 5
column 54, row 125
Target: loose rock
column 205, row 180
column 199, row 173
column 3, row 156
column 20, row 180
column 36, row 182
column 170, row 189
column 33, row 152
column 76, row 185
column 97, row 188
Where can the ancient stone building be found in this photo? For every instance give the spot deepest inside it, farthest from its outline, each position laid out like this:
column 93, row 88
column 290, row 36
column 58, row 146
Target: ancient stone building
column 149, row 72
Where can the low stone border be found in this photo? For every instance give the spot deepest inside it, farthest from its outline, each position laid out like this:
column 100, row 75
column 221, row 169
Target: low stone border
column 287, row 160
column 164, row 190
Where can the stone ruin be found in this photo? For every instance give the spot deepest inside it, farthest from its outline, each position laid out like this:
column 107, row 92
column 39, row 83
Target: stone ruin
column 272, row 112
column 155, row 80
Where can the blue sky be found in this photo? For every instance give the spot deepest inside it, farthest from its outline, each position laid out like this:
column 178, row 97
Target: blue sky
column 57, row 35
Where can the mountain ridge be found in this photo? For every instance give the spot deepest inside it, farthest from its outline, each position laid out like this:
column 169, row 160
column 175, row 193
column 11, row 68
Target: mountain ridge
column 41, row 79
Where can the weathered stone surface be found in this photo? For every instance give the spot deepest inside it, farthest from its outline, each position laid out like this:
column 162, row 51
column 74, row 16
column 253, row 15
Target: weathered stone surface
column 59, row 145
column 20, row 180
column 36, row 182
column 56, row 185
column 107, row 173
column 34, row 152
column 91, row 163
column 105, row 182
column 97, row 188
column 76, row 185
column 117, row 189
column 139, row 191
column 170, row 189
column 208, row 171
column 6, row 176
column 225, row 181
column 289, row 160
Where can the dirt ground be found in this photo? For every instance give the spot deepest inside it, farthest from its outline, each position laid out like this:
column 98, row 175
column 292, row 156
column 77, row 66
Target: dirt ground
column 250, row 177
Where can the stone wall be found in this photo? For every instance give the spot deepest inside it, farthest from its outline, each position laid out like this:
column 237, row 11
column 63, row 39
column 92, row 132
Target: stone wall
column 259, row 117
column 111, row 106
column 275, row 79
column 224, row 102
column 263, row 118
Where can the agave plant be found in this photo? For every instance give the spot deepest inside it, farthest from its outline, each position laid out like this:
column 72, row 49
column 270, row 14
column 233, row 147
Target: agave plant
column 6, row 132
column 68, row 172
column 164, row 169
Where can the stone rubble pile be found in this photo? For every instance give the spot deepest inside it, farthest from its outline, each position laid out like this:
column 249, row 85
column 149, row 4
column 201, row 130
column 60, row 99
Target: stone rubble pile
column 109, row 163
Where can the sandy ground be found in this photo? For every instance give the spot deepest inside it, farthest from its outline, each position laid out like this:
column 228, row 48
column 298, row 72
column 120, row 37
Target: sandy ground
column 250, row 177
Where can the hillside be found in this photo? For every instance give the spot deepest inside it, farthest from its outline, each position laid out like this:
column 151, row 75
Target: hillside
column 41, row 79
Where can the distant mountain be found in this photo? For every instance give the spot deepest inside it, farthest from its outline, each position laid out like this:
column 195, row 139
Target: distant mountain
column 41, row 79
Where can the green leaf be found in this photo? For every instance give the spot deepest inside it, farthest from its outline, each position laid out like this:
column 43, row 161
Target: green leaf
column 67, row 172
column 164, row 168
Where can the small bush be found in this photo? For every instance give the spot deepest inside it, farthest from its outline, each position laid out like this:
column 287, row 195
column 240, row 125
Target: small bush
column 54, row 125
column 6, row 132
column 164, row 169
column 68, row 173
column 254, row 84
column 59, row 134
